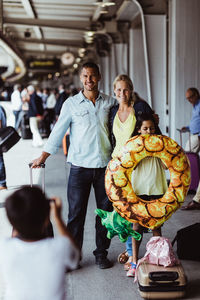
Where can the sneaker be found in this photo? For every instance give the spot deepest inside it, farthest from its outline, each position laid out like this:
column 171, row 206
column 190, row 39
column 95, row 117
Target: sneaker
column 131, row 271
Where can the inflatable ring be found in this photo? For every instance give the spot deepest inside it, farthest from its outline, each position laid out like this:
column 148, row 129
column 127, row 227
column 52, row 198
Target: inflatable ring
column 153, row 213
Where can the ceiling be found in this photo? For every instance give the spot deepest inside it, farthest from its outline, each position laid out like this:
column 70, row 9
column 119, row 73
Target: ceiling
column 41, row 30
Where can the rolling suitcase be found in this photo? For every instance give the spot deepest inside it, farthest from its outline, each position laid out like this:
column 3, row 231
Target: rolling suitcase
column 159, row 282
column 49, row 229
column 194, row 165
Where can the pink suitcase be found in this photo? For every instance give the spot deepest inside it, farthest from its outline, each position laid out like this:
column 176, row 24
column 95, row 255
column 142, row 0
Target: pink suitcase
column 159, row 282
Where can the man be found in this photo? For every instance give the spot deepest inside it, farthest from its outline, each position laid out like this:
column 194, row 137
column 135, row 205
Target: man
column 2, row 166
column 193, row 96
column 86, row 114
column 35, row 113
column 16, row 104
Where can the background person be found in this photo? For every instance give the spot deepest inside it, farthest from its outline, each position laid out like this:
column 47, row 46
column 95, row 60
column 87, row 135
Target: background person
column 33, row 266
column 192, row 95
column 35, row 113
column 16, row 103
column 60, row 100
column 86, row 114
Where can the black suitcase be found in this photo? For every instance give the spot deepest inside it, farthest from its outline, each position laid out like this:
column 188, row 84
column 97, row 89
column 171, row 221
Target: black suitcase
column 49, row 229
column 8, row 138
column 159, row 282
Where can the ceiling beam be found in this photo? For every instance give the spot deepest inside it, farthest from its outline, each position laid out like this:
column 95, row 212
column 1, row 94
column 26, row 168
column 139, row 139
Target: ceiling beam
column 72, row 24
column 72, row 43
column 42, row 53
column 32, row 14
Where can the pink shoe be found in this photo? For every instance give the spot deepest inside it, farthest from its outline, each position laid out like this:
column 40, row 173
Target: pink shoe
column 131, row 271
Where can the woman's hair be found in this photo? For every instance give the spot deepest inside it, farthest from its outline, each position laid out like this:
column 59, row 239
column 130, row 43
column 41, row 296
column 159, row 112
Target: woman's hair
column 145, row 117
column 27, row 210
column 126, row 78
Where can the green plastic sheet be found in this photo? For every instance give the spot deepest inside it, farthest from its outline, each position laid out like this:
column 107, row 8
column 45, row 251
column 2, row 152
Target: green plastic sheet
column 116, row 225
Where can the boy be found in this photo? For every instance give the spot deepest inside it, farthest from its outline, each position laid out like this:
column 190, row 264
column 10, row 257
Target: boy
column 34, row 266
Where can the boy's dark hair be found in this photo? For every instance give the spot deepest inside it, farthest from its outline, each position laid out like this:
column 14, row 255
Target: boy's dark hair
column 145, row 117
column 92, row 65
column 27, row 210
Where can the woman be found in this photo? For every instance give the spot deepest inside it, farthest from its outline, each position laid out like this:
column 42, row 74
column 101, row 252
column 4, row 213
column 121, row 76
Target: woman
column 123, row 116
column 122, row 120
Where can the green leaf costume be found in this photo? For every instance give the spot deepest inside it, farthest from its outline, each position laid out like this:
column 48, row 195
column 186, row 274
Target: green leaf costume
column 116, row 225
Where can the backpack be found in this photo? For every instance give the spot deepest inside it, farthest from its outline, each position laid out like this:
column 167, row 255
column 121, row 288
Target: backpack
column 188, row 246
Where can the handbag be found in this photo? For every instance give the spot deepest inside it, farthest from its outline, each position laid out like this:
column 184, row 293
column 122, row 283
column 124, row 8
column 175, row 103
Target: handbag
column 8, row 138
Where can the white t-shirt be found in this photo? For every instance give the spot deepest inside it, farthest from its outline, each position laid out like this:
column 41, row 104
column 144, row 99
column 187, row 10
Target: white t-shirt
column 36, row 270
column 149, row 177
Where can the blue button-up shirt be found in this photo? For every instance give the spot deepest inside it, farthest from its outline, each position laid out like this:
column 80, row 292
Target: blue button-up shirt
column 89, row 138
column 195, row 120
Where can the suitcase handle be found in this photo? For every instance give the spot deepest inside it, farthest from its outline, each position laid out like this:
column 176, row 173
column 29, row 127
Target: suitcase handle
column 180, row 133
column 163, row 276
column 42, row 165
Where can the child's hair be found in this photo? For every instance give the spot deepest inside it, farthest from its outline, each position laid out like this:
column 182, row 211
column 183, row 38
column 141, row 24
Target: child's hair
column 145, row 117
column 27, row 210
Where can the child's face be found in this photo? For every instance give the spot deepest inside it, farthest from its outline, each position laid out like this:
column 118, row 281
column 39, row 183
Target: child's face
column 147, row 127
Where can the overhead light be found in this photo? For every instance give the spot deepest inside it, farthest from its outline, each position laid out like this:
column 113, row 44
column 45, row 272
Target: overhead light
column 89, row 33
column 104, row 3
column 103, row 12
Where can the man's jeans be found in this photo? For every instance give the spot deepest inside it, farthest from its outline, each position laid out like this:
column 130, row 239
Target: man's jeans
column 2, row 171
column 79, row 186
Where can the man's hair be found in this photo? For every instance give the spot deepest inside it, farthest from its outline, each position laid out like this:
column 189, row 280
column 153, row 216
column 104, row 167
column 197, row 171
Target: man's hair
column 91, row 65
column 195, row 92
column 30, row 88
column 27, row 210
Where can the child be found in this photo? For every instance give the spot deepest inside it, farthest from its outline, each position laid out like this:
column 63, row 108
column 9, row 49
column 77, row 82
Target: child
column 148, row 181
column 34, row 266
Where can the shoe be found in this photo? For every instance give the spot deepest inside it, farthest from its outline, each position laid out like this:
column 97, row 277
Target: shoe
column 3, row 188
column 191, row 206
column 131, row 271
column 123, row 257
column 103, row 262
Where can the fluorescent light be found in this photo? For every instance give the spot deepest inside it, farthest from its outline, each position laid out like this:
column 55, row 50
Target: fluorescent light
column 104, row 3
